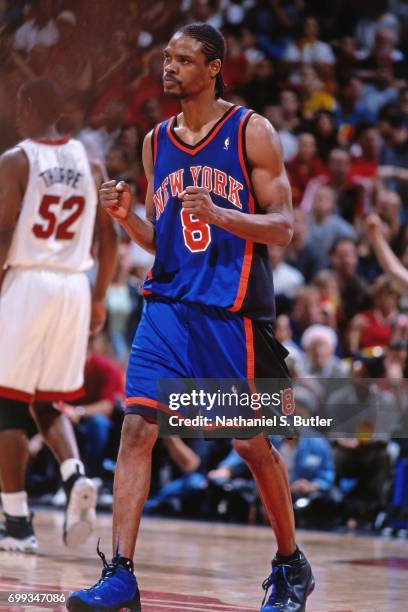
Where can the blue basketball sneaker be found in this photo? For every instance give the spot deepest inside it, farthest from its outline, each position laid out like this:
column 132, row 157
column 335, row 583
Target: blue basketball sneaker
column 292, row 582
column 116, row 589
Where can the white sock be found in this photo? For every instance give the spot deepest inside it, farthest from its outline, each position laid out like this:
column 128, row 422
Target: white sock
column 15, row 504
column 71, row 466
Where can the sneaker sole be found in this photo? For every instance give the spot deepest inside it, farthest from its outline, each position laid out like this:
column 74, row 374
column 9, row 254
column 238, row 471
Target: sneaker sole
column 83, row 499
column 27, row 545
column 75, row 604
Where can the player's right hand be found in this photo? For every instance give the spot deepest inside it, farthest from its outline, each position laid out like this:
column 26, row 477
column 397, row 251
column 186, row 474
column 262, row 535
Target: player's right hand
column 116, row 198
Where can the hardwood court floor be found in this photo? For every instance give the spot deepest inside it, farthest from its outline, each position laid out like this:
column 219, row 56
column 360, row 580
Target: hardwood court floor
column 206, row 567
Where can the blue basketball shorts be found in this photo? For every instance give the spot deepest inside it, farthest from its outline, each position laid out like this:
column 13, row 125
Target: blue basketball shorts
column 177, row 340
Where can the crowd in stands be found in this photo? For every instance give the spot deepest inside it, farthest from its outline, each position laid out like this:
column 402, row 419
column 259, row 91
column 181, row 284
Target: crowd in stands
column 332, row 78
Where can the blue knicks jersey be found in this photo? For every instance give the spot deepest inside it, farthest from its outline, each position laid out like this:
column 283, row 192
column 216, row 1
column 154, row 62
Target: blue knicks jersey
column 195, row 261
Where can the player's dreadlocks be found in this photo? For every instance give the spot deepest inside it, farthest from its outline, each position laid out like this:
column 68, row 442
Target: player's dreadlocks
column 213, row 44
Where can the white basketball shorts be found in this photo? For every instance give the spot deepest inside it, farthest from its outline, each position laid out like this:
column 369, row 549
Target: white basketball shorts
column 44, row 329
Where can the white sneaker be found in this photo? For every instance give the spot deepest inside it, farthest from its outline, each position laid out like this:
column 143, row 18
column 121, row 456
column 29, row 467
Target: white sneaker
column 17, row 535
column 80, row 512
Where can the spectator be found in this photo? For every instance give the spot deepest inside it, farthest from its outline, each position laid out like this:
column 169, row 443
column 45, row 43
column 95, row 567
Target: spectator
column 354, row 291
column 103, row 387
column 381, row 90
column 367, row 149
column 326, row 227
column 100, row 138
column 68, row 63
column 389, row 209
column 40, row 29
column 319, row 343
column 286, row 279
column 349, row 191
column 315, row 96
column 304, row 166
column 372, row 328
column 325, row 131
column 307, row 311
column 326, row 283
column 394, row 155
column 290, row 105
column 309, row 49
column 301, row 253
column 261, row 89
column 149, row 85
column 352, row 109
column 119, row 308
column 274, row 114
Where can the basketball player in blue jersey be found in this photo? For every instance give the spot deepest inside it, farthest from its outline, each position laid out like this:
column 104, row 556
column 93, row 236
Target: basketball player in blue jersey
column 217, row 196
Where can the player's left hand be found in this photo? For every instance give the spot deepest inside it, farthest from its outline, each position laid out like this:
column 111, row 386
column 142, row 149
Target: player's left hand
column 98, row 315
column 197, row 200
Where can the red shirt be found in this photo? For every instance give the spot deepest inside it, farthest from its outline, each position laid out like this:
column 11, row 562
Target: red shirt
column 376, row 332
column 300, row 174
column 103, row 380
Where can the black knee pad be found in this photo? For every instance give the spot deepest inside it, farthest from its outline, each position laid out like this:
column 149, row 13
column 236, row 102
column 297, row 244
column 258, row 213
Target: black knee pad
column 14, row 415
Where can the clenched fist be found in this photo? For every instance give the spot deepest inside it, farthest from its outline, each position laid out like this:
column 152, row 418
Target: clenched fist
column 116, row 199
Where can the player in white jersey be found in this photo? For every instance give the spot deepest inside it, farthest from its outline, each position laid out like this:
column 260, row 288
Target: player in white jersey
column 48, row 214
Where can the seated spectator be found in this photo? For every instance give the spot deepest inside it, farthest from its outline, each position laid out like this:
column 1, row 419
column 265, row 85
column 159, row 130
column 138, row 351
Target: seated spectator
column 315, row 96
column 319, row 343
column 384, row 53
column 326, row 283
column 366, row 151
column 310, row 467
column 283, row 334
column 286, row 279
column 261, row 89
column 103, row 391
column 236, row 69
column 368, row 416
column 308, row 49
column 326, row 227
column 289, row 141
column 352, row 109
column 304, row 166
column 119, row 307
column 307, row 311
column 354, row 290
column 290, row 104
column 381, row 90
column 301, row 253
column 68, row 63
column 98, row 139
column 39, row 29
column 349, row 191
column 372, row 328
column 323, row 126
column 394, row 155
column 389, row 209
column 150, row 85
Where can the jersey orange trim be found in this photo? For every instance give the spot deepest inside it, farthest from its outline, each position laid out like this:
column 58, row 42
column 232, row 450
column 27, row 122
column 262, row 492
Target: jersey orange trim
column 55, row 396
column 150, row 403
column 154, row 141
column 193, row 149
column 249, row 246
column 15, row 394
column 53, row 143
column 249, row 341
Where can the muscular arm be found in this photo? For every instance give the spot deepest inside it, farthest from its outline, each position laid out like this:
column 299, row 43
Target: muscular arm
column 117, row 199
column 272, row 191
column 13, row 181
